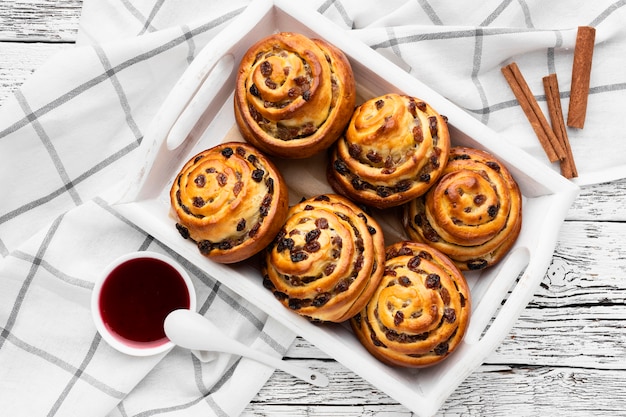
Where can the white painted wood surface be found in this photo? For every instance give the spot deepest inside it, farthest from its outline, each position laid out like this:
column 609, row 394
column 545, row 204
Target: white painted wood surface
column 566, row 354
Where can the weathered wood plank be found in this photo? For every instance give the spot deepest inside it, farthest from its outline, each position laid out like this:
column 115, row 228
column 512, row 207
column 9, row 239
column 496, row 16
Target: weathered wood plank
column 40, row 20
column 491, row 391
column 600, row 202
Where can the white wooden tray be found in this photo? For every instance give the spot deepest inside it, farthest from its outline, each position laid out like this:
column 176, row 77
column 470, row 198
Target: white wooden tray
column 199, row 114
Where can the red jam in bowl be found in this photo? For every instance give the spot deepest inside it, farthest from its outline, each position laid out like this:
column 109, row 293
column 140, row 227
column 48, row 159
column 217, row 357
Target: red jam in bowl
column 137, row 296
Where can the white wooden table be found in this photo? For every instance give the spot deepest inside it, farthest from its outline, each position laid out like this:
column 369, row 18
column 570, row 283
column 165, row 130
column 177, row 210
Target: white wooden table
column 565, row 355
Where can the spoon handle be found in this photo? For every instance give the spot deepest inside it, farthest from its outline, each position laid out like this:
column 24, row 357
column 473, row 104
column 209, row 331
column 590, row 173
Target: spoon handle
column 192, row 330
column 306, row 374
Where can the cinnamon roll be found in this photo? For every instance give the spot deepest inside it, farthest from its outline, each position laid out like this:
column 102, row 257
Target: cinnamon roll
column 394, row 149
column 294, row 95
column 420, row 311
column 327, row 260
column 230, row 200
column 474, row 212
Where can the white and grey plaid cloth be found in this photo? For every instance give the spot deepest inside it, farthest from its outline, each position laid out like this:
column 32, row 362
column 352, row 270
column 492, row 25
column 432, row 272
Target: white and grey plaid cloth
column 71, row 135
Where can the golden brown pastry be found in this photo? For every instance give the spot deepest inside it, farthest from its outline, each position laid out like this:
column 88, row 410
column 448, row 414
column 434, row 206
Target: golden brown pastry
column 474, row 212
column 294, row 95
column 420, row 311
column 327, row 260
column 230, row 200
column 394, row 149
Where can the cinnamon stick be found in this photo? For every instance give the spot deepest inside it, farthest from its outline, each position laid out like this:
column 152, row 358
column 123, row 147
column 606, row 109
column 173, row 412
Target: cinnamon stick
column 553, row 98
column 535, row 116
column 581, row 74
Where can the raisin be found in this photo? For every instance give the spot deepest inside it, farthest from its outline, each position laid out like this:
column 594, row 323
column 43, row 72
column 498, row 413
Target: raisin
column 383, row 191
column 321, row 299
column 306, row 95
column 340, row 166
column 295, row 304
column 441, row 349
column 433, row 281
column 257, row 175
column 265, row 205
column 266, row 68
column 283, row 244
column 298, row 256
column 322, row 197
column 412, row 108
column 476, row 264
column 403, row 185
column 198, row 202
column 237, row 188
column 492, row 211
column 404, row 281
column 205, row 247
column 241, row 225
column 255, row 230
column 200, row 180
column 254, row 90
column 398, row 318
column 270, row 84
column 342, row 285
column 479, row 199
column 354, row 150
column 329, row 269
column 312, row 235
column 321, row 223
column 312, row 247
column 357, row 184
column 449, row 315
column 414, row 263
column 432, row 125
column 184, row 232
column 222, row 179
column 493, row 165
column 418, row 135
column 374, row 157
column 379, row 104
column 226, row 245
column 227, row 152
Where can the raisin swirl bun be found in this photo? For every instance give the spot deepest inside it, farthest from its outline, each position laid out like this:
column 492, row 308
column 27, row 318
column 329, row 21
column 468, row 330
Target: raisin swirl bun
column 327, row 260
column 293, row 95
column 394, row 148
column 420, row 311
column 230, row 200
column 473, row 214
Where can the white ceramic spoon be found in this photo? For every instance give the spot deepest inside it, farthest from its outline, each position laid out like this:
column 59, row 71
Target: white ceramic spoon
column 191, row 330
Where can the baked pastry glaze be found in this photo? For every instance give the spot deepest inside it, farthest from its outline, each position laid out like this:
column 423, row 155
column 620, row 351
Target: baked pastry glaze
column 231, row 200
column 420, row 311
column 294, row 95
column 394, row 149
column 473, row 214
column 327, row 260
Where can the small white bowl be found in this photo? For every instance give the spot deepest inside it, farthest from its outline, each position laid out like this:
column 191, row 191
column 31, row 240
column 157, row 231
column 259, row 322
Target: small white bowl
column 123, row 305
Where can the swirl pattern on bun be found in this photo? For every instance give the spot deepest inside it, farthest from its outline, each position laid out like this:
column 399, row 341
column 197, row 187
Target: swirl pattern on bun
column 473, row 214
column 327, row 260
column 420, row 311
column 294, row 95
column 394, row 149
column 231, row 200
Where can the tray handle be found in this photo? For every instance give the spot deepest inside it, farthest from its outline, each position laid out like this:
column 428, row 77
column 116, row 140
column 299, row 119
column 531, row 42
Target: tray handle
column 189, row 108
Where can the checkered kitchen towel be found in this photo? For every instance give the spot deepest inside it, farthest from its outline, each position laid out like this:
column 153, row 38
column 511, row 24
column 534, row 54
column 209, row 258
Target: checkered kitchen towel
column 71, row 135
